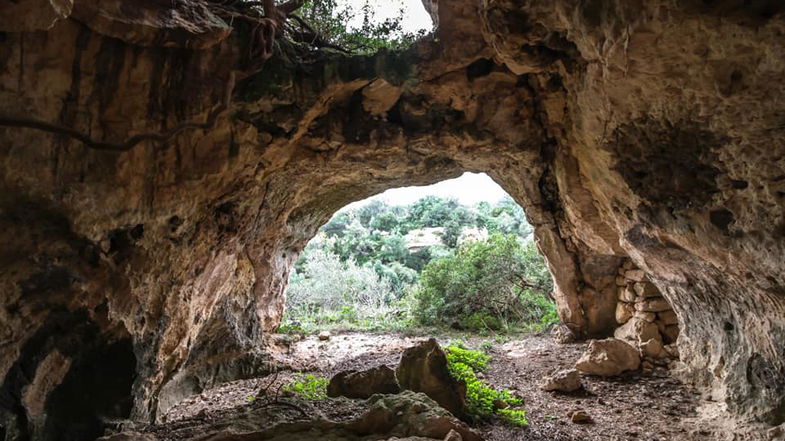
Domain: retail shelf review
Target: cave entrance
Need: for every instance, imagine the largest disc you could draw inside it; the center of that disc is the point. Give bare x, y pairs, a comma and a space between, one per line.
458, 254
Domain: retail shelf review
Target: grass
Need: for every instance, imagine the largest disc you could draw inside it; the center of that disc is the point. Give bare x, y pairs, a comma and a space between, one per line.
308, 386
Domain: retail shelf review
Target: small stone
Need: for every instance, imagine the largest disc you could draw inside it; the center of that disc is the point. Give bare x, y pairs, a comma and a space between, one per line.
653, 348
668, 317
624, 312
628, 264
622, 270
568, 380
647, 316
627, 294
646, 290
324, 335
621, 281
672, 350
453, 436
580, 417
635, 275
653, 305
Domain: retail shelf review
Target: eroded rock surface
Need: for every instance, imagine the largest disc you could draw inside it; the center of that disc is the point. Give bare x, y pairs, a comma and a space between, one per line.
649, 131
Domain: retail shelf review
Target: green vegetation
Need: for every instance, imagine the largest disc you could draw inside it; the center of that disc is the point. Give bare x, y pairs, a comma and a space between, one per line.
434, 263
481, 399
330, 19
308, 386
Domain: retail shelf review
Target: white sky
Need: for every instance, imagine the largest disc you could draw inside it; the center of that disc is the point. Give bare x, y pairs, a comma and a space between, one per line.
415, 16
469, 189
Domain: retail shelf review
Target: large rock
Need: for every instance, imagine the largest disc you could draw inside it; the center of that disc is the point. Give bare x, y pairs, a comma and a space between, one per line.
363, 384
423, 368
637, 330
608, 358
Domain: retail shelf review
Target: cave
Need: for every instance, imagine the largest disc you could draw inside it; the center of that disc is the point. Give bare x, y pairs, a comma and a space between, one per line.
163, 167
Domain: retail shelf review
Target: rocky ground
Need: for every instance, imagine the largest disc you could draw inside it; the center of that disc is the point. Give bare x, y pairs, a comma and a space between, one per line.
634, 406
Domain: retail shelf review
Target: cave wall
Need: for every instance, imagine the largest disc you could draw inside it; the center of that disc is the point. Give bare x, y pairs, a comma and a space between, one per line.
648, 130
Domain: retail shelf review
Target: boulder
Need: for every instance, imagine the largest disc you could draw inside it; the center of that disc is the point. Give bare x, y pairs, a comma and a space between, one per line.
568, 380
637, 331
608, 357
423, 368
410, 414
364, 384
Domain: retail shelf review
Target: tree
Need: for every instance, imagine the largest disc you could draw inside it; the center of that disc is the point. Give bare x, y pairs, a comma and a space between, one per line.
487, 283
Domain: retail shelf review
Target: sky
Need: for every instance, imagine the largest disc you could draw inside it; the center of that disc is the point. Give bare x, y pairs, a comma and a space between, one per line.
469, 189
415, 16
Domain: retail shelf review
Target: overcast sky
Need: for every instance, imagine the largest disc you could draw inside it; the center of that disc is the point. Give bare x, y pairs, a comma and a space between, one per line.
469, 189
415, 16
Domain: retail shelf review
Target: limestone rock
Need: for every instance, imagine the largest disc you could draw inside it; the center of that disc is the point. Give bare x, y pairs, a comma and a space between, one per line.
653, 349
363, 384
423, 368
324, 335
568, 380
624, 312
637, 331
580, 417
653, 305
33, 15
646, 316
646, 290
411, 413
627, 294
635, 275
608, 358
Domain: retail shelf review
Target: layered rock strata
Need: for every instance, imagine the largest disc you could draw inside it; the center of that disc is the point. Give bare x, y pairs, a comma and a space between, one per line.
649, 131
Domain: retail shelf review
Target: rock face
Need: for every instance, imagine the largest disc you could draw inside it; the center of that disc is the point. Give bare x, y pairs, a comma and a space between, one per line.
155, 189
423, 368
608, 358
353, 384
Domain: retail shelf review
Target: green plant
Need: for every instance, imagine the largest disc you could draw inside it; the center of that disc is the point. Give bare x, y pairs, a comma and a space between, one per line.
308, 386
486, 346
481, 399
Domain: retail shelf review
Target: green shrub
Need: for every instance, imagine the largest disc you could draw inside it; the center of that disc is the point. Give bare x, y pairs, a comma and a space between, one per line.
488, 284
481, 399
308, 386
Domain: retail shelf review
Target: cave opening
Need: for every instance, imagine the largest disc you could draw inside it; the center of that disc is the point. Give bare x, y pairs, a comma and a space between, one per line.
389, 262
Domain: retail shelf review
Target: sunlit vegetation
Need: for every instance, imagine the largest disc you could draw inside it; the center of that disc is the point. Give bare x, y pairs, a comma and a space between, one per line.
434, 263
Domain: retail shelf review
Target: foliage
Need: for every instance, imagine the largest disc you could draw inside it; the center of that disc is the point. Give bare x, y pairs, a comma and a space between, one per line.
486, 285
308, 386
331, 19
481, 399
358, 273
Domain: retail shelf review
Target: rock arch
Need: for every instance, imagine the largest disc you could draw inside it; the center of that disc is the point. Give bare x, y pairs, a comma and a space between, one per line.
626, 130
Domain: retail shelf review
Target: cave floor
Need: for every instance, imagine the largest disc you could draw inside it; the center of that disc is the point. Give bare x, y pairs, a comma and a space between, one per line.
636, 406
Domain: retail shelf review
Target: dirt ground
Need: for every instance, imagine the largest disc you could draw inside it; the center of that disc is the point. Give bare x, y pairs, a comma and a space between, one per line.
635, 406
